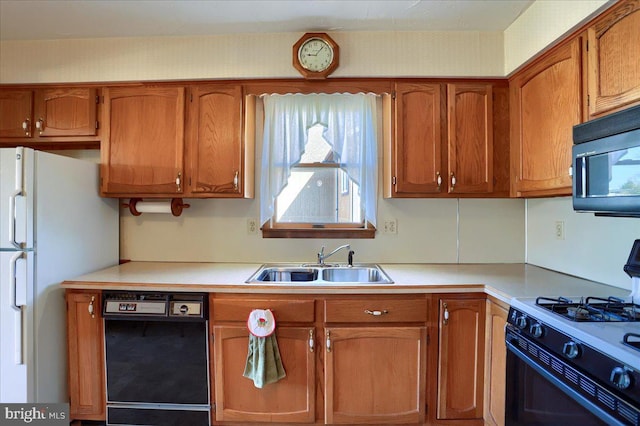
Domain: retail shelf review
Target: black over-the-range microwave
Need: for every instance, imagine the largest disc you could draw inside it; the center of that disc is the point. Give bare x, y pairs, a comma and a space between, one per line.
606, 164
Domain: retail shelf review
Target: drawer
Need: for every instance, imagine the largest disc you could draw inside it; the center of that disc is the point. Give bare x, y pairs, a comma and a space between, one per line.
376, 310
293, 310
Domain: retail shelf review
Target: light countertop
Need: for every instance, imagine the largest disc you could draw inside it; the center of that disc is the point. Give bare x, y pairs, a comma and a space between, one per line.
502, 281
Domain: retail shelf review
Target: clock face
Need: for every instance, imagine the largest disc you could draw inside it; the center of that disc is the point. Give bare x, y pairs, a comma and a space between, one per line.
315, 55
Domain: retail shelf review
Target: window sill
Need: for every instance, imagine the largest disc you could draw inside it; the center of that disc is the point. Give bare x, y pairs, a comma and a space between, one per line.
352, 233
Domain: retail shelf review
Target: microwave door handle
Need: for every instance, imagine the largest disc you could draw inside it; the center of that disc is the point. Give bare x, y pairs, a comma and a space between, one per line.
19, 358
582, 168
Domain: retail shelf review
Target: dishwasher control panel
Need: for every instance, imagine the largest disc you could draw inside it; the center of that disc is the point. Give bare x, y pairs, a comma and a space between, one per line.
154, 305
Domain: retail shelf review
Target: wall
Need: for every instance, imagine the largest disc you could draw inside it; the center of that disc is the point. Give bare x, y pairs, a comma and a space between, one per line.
594, 247
372, 54
543, 23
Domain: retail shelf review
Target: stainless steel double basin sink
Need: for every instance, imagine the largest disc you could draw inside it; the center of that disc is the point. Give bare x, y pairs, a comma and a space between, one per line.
320, 274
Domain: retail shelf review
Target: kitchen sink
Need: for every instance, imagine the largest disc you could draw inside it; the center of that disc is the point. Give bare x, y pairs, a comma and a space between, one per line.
321, 274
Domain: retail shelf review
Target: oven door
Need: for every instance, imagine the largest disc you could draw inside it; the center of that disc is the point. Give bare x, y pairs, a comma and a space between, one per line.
540, 391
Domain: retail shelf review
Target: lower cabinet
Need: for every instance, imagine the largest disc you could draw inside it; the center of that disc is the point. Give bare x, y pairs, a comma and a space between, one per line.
291, 399
235, 397
375, 369
461, 351
85, 337
496, 363
375, 375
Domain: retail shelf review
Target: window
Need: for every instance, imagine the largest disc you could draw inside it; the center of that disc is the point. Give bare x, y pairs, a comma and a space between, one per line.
319, 165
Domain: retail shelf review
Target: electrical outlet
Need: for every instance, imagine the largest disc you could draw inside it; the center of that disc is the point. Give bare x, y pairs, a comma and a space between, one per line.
390, 226
559, 230
252, 226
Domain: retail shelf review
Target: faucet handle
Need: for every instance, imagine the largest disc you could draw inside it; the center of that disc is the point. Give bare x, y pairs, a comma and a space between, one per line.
350, 258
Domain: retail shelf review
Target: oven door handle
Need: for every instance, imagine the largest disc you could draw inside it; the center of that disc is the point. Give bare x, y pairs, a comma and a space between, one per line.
596, 411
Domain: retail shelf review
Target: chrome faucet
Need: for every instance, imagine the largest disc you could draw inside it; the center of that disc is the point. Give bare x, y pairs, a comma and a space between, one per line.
322, 257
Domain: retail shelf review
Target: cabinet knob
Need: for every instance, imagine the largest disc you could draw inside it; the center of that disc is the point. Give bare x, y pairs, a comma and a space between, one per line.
235, 180
445, 314
179, 182
91, 308
453, 181
311, 341
439, 180
40, 125
26, 126
328, 341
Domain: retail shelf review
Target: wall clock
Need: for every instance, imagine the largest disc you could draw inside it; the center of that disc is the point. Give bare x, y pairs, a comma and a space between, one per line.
315, 55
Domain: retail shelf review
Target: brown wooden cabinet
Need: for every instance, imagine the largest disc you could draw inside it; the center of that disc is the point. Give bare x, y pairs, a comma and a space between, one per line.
85, 336
66, 116
495, 363
546, 102
143, 142
444, 140
291, 399
375, 368
470, 138
417, 166
216, 148
460, 384
613, 58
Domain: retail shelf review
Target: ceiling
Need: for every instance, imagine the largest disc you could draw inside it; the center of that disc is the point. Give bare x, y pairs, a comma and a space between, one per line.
60, 19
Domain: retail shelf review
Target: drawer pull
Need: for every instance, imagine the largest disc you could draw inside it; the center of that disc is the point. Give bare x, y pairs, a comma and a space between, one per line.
445, 315
311, 341
328, 341
376, 313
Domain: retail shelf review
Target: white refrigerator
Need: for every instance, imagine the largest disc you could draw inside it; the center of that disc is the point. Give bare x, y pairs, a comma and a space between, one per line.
53, 227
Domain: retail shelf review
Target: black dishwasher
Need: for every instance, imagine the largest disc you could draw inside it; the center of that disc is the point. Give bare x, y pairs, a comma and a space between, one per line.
157, 353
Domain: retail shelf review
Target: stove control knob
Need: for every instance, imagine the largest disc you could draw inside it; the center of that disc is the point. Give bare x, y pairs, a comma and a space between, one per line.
620, 377
571, 350
536, 330
521, 322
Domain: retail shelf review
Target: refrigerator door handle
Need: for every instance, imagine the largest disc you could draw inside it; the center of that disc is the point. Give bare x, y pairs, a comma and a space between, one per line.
19, 191
19, 359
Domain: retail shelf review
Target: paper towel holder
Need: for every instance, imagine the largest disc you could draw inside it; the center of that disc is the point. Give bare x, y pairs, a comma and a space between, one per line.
176, 206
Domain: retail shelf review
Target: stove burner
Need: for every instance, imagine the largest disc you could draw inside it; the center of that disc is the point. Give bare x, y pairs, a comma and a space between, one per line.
592, 309
578, 313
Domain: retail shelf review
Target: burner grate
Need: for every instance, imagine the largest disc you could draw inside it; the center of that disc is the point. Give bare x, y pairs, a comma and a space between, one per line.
592, 309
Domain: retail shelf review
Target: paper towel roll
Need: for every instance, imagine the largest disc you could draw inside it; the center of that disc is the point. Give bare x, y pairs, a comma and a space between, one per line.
174, 206
153, 206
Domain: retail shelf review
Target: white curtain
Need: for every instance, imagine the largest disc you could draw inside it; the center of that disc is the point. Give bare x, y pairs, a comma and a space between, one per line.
350, 129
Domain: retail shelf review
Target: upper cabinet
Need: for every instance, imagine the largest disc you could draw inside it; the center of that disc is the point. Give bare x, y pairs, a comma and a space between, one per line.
417, 169
143, 141
470, 137
444, 140
613, 58
156, 143
546, 102
216, 143
49, 116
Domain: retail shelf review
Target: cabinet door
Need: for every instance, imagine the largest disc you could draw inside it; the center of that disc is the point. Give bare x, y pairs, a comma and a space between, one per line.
66, 112
461, 359
143, 141
16, 119
470, 148
546, 102
291, 399
215, 146
375, 375
613, 59
417, 153
86, 356
495, 364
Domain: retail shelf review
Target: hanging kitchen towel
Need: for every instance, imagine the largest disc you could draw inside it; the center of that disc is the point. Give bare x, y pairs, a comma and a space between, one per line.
263, 365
